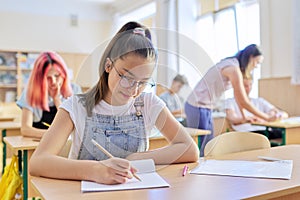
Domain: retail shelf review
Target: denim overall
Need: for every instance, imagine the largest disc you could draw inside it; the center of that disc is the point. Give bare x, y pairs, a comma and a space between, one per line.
119, 135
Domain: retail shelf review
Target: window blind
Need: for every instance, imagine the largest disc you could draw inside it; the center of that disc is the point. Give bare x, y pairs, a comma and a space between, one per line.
209, 6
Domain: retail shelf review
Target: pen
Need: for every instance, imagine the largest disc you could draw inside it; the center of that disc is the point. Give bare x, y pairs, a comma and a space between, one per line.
269, 158
109, 155
185, 169
46, 124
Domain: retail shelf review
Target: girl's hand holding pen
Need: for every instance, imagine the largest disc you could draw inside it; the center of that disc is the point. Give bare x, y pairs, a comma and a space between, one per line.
113, 171
121, 164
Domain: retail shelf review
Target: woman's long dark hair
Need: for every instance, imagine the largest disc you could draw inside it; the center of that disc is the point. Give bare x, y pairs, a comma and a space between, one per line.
244, 56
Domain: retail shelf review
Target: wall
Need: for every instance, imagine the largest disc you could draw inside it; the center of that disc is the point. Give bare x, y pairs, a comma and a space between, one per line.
42, 25
285, 97
276, 37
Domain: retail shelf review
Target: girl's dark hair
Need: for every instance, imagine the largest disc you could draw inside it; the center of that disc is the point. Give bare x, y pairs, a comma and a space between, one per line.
131, 38
244, 56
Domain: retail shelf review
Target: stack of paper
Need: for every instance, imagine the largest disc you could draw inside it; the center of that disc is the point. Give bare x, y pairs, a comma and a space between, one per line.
291, 120
146, 172
277, 169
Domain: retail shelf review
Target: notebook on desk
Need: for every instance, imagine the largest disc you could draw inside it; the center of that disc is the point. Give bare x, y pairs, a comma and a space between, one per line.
146, 172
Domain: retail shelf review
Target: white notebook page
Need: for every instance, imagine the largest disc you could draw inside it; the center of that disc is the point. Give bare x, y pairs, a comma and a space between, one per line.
265, 169
146, 172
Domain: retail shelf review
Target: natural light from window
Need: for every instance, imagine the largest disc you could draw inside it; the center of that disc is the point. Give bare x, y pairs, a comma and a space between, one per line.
225, 32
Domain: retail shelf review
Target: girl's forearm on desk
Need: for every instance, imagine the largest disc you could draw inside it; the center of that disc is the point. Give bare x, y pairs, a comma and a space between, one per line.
61, 168
32, 132
173, 153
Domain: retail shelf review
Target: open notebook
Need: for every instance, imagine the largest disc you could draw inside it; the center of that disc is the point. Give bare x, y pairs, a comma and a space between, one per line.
281, 169
146, 172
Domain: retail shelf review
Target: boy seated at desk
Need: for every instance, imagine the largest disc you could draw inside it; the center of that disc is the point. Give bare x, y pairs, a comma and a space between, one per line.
239, 123
173, 100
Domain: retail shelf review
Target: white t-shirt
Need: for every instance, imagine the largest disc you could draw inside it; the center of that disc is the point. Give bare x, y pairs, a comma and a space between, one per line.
260, 103
213, 84
173, 101
152, 107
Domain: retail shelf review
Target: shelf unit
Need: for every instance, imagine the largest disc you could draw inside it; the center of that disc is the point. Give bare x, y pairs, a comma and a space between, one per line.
15, 68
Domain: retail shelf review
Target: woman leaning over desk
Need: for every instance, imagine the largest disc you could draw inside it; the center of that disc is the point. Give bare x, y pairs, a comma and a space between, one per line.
226, 74
117, 115
47, 87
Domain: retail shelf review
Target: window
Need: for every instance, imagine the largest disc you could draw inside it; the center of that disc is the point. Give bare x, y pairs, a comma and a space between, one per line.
223, 33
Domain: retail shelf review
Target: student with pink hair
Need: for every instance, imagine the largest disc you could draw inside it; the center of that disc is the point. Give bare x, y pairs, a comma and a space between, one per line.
47, 87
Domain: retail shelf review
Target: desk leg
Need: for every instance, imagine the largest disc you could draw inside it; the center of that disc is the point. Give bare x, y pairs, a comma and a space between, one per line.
283, 131
20, 161
266, 132
4, 150
25, 174
283, 135
199, 142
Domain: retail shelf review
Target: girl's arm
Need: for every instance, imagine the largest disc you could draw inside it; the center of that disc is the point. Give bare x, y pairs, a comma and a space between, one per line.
278, 113
46, 162
178, 112
235, 76
26, 125
181, 146
234, 118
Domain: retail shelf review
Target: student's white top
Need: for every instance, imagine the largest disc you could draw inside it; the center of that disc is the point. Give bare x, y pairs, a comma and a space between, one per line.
173, 101
152, 107
213, 84
260, 103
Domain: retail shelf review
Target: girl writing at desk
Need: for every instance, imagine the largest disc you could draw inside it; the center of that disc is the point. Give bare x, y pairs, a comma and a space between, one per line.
117, 115
47, 87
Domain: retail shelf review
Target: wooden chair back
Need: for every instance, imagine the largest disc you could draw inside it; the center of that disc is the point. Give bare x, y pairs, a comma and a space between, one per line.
234, 141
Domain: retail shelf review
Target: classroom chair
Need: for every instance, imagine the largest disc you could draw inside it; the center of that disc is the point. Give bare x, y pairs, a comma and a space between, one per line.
234, 141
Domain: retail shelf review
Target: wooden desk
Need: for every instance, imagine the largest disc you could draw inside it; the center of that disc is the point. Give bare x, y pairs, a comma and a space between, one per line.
23, 147
193, 187
6, 118
12, 126
160, 141
8, 128
290, 132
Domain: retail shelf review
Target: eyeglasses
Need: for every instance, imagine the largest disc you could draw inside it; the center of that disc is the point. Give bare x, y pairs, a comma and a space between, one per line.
127, 82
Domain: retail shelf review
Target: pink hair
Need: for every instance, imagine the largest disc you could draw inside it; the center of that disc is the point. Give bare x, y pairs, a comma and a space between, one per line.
37, 89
